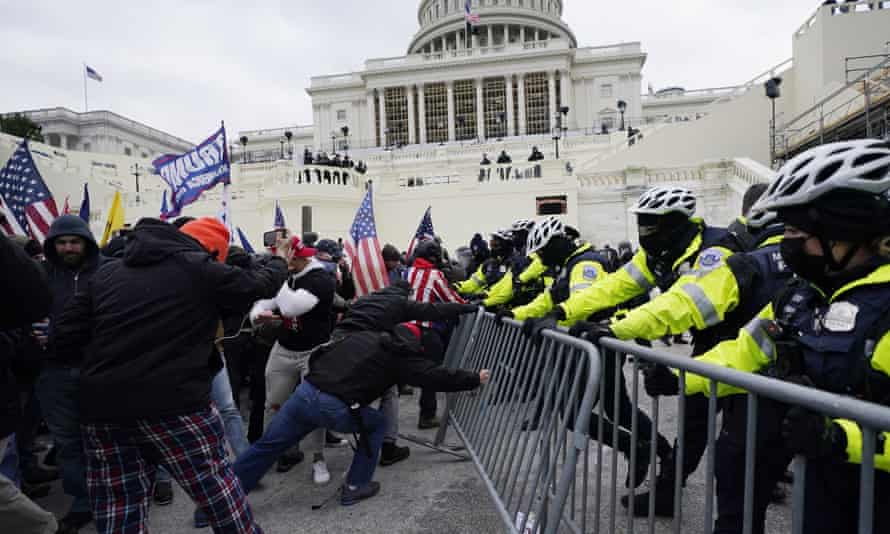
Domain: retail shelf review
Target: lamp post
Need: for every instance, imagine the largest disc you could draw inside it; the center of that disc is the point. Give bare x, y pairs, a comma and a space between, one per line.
560, 128
771, 87
345, 131
281, 142
290, 149
622, 107
333, 142
135, 168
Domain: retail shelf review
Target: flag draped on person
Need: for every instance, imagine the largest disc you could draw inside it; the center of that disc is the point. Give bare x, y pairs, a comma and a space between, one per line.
115, 219
190, 174
424, 231
27, 206
363, 248
85, 205
245, 244
279, 217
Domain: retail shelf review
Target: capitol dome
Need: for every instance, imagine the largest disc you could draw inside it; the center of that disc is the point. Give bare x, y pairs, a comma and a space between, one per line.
443, 27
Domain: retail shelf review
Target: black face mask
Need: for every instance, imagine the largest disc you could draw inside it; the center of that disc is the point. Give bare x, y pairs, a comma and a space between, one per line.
667, 241
556, 251
811, 268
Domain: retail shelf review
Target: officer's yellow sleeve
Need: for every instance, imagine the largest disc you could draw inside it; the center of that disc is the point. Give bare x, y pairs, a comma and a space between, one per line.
472, 285
751, 351
539, 307
501, 292
534, 270
631, 280
880, 362
691, 302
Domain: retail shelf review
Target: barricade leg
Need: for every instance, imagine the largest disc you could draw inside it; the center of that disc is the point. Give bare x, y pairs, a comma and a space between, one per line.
832, 498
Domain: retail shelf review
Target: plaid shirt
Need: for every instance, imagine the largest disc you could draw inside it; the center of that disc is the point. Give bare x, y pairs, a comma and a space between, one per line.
430, 286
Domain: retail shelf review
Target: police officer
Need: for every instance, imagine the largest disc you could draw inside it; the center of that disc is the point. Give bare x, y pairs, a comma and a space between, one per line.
493, 269
676, 248
526, 280
714, 305
828, 328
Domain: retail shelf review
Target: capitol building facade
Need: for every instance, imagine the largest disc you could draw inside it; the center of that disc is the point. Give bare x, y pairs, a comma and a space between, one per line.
424, 121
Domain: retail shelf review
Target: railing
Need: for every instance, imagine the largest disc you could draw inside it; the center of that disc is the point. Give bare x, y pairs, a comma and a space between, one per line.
109, 117
751, 172
841, 8
277, 133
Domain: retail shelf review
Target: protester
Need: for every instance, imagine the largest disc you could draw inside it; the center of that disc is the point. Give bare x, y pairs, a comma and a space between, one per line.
72, 259
393, 261
143, 332
371, 350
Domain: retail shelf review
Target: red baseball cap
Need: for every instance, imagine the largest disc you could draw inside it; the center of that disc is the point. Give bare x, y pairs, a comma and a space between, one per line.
299, 250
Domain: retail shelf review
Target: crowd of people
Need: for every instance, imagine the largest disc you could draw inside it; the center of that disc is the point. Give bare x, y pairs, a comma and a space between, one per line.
335, 160
135, 355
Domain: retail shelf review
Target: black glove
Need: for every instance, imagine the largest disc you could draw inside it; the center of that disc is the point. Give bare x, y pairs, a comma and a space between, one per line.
533, 328
659, 380
592, 332
501, 315
813, 435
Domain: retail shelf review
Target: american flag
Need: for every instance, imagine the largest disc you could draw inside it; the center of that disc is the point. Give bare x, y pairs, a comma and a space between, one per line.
424, 231
26, 202
368, 268
279, 217
472, 18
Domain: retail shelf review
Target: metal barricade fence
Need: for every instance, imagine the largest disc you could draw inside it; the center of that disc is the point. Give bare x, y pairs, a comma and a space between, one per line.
872, 418
519, 430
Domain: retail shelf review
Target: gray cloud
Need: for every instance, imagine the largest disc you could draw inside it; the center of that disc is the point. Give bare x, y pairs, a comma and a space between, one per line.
182, 66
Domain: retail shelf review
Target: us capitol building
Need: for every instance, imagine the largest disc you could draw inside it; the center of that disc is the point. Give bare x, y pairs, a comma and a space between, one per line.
423, 121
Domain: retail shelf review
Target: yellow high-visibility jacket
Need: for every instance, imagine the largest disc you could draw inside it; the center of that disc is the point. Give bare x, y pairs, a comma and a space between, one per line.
503, 291
754, 350
636, 278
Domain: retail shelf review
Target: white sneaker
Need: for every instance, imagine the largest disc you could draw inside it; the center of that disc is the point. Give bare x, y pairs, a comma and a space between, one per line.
320, 473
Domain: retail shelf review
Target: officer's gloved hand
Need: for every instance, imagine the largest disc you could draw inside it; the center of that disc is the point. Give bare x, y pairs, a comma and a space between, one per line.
592, 332
659, 380
533, 328
813, 435
502, 314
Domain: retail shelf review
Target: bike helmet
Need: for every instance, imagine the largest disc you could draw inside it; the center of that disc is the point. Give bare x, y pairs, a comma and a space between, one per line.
543, 232
523, 224
664, 200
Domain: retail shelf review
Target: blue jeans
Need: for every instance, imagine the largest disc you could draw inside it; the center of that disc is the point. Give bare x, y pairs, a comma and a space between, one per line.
57, 390
221, 395
305, 410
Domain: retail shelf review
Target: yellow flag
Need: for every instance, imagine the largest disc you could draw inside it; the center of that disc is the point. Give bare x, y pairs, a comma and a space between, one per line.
115, 219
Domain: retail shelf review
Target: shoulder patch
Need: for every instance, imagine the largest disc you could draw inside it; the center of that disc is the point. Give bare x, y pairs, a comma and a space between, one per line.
710, 259
841, 317
590, 272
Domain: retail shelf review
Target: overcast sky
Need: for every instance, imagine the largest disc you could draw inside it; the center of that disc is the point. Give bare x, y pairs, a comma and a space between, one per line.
184, 65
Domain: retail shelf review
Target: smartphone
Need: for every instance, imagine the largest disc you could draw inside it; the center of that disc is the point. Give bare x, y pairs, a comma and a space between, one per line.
271, 237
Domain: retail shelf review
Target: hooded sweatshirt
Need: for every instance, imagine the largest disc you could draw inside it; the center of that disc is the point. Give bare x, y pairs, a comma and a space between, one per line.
65, 281
148, 324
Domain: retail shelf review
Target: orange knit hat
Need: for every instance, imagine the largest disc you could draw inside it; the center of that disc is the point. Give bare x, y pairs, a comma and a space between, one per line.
212, 234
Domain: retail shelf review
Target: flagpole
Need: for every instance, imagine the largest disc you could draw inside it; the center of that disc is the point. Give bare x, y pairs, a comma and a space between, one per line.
85, 106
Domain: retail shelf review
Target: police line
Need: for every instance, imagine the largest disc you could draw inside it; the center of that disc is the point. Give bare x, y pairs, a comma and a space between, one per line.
544, 477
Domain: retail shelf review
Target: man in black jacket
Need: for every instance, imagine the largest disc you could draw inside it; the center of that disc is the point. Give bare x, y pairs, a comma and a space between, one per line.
72, 258
370, 351
27, 299
146, 325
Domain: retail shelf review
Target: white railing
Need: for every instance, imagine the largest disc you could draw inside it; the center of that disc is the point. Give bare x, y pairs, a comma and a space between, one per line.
108, 117
841, 8
277, 132
751, 172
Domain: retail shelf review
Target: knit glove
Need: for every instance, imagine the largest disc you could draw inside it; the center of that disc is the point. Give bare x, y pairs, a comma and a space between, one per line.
659, 380
813, 435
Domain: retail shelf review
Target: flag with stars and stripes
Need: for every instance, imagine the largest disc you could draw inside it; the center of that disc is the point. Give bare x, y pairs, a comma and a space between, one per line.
424, 231
27, 204
363, 249
471, 18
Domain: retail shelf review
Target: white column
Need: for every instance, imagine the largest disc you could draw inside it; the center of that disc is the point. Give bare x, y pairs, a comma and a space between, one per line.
506, 34
490, 35
522, 34
370, 130
409, 97
443, 43
381, 95
480, 109
508, 81
421, 110
551, 95
316, 116
520, 80
537, 34
565, 95
450, 93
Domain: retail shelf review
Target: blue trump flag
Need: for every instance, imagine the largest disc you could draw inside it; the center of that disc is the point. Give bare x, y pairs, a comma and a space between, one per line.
245, 244
85, 205
190, 174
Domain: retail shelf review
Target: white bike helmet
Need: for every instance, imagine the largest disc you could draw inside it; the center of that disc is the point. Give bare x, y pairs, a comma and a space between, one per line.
503, 234
523, 224
543, 232
862, 165
761, 219
664, 200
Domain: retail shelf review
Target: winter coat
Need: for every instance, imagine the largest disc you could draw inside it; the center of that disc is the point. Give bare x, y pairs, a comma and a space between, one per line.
65, 282
26, 299
148, 324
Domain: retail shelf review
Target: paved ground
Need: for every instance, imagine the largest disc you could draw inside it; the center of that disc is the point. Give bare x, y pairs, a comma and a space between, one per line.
430, 493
